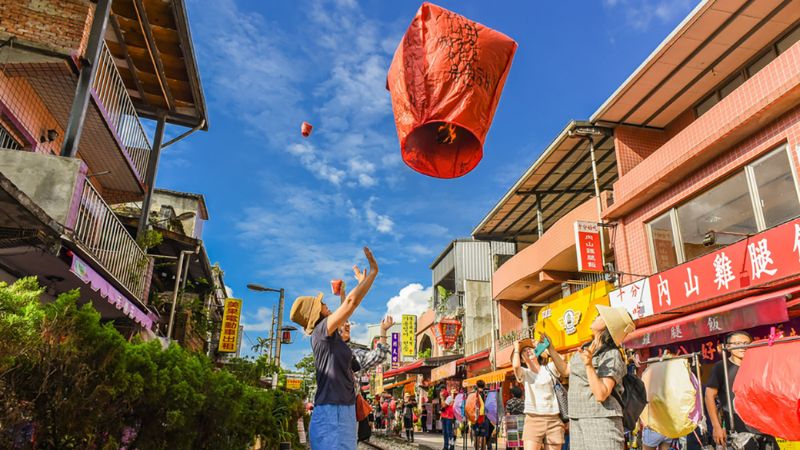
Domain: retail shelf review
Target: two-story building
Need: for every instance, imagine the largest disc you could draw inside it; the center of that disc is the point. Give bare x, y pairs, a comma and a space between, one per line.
706, 133
76, 80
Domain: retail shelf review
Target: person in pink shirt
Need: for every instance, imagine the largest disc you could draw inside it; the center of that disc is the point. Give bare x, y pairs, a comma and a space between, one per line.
448, 416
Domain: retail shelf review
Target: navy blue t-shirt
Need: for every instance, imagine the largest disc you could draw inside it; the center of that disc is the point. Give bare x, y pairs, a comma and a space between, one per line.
332, 358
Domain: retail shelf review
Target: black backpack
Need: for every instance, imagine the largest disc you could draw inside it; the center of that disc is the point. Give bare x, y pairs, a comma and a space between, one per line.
633, 400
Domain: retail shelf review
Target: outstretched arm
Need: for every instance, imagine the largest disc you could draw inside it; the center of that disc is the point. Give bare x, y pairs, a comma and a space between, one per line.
353, 299
561, 366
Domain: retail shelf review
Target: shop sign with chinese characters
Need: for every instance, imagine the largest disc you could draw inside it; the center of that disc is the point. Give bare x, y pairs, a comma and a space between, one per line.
634, 297
230, 326
768, 256
409, 335
395, 349
446, 332
588, 247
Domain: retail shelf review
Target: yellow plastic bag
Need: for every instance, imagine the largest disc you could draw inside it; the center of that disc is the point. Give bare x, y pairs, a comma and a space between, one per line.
671, 398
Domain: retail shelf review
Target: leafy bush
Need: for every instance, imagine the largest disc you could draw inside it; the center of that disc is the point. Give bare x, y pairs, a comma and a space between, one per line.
82, 385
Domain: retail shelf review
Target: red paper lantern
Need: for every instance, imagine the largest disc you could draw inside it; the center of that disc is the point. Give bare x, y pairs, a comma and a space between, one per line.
305, 129
446, 332
445, 80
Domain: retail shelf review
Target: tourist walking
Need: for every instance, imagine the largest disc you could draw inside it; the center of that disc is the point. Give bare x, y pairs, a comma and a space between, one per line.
409, 403
446, 399
595, 390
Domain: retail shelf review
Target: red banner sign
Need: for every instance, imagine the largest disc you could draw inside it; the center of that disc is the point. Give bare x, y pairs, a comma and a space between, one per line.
588, 247
767, 256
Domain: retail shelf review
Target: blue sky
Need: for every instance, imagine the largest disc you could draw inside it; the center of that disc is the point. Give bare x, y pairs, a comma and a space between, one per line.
294, 213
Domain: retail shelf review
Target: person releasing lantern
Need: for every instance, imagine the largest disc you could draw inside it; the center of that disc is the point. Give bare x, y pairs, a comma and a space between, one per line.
445, 82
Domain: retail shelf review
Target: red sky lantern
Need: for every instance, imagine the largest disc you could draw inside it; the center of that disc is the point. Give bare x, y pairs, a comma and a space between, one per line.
305, 129
445, 81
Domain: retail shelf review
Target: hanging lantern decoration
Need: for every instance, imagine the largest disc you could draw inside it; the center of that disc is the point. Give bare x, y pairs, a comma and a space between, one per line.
445, 81
305, 129
446, 332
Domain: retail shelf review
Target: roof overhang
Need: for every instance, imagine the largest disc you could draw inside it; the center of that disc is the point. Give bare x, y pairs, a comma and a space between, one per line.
717, 39
561, 179
152, 45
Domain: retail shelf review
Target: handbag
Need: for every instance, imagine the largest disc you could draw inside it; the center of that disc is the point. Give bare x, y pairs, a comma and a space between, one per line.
561, 397
362, 408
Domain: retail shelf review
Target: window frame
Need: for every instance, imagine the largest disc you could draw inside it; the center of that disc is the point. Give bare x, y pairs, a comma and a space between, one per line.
752, 189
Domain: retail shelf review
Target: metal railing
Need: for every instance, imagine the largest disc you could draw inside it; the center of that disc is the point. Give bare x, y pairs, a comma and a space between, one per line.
113, 94
516, 335
102, 234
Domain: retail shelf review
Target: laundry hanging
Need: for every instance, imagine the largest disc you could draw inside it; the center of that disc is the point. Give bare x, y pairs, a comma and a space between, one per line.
445, 81
767, 390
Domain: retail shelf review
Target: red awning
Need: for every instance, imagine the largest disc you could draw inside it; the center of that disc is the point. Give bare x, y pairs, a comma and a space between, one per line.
471, 358
763, 309
416, 364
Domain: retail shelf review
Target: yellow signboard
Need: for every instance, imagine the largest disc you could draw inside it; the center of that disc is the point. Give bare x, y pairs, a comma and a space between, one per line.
409, 335
567, 321
294, 383
229, 335
786, 445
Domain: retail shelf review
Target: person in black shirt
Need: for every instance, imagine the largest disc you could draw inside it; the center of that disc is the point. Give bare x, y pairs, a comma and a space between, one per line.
716, 389
515, 405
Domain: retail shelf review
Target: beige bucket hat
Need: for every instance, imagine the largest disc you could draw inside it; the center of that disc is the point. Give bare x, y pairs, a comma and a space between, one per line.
618, 321
306, 311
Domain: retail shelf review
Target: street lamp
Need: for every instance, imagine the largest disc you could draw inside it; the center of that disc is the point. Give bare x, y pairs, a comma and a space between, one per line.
259, 288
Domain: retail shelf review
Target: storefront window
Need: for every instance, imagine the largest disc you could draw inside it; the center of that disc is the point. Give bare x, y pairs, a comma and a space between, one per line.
776, 188
663, 243
726, 208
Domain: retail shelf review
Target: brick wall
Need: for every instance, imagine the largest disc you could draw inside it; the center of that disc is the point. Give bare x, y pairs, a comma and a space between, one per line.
630, 243
23, 108
61, 26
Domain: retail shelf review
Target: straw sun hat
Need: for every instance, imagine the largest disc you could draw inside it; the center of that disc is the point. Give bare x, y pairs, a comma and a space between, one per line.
306, 311
618, 321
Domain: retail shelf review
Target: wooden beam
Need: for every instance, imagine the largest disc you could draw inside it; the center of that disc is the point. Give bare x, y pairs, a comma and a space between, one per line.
155, 56
124, 47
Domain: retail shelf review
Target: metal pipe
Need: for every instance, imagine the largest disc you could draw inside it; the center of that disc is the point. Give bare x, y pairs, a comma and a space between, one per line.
598, 200
727, 386
178, 276
150, 178
186, 134
80, 103
278, 332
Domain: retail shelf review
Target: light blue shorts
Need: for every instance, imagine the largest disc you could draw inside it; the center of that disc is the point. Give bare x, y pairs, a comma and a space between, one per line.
652, 438
333, 427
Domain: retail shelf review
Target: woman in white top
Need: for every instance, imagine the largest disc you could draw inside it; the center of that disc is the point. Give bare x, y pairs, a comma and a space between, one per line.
543, 426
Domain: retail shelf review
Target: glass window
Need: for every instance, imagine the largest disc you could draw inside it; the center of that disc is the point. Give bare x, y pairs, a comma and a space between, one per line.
725, 208
761, 62
789, 40
731, 85
663, 243
706, 104
776, 188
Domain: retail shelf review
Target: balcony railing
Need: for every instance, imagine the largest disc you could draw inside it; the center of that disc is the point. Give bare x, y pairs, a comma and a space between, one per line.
121, 114
101, 233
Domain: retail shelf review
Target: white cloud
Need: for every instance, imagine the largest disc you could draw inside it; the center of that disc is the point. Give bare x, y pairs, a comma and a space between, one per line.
229, 292
412, 299
420, 250
260, 321
382, 223
640, 14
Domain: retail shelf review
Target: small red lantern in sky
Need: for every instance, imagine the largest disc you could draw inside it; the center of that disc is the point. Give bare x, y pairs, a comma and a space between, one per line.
445, 80
305, 129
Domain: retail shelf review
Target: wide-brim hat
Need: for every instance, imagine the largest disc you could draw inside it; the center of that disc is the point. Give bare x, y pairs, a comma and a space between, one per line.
306, 311
618, 321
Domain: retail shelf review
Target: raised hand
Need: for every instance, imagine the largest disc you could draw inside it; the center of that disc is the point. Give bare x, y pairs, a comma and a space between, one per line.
588, 353
387, 323
373, 267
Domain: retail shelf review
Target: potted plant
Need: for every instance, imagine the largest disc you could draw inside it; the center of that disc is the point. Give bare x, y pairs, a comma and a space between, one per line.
285, 435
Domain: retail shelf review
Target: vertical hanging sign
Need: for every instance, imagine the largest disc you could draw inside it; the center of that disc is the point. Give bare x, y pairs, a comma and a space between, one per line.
409, 335
395, 349
587, 247
229, 334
